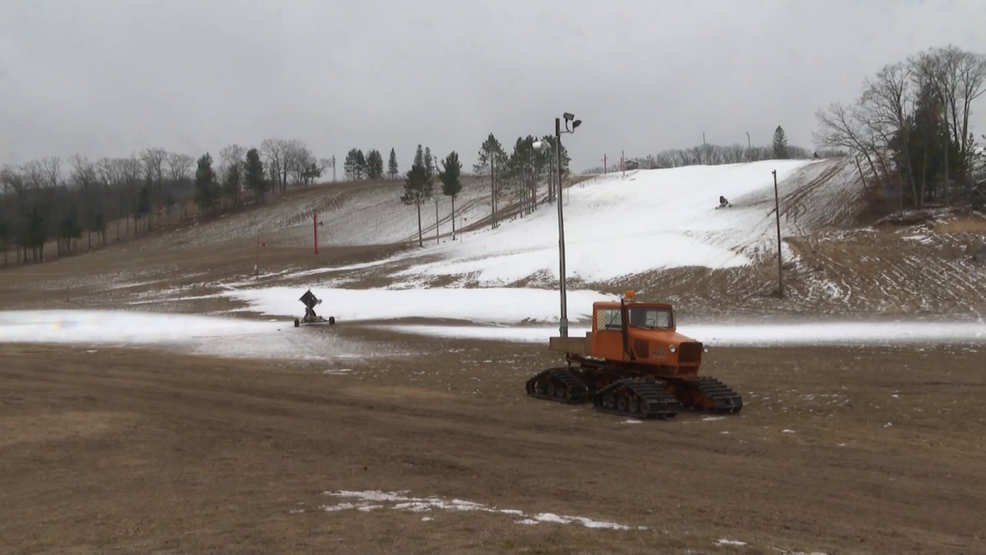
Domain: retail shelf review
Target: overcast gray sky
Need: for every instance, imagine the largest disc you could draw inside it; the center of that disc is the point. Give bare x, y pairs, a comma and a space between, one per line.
110, 77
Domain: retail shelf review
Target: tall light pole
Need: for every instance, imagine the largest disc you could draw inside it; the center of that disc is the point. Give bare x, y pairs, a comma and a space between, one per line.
540, 145
748, 139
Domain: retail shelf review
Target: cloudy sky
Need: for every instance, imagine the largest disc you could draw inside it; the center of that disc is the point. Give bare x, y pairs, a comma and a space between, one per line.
110, 77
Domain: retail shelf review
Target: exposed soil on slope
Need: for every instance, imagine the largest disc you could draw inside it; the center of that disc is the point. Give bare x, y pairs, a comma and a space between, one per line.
836, 450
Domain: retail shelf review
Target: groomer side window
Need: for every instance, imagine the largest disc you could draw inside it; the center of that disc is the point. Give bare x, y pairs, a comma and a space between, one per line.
609, 319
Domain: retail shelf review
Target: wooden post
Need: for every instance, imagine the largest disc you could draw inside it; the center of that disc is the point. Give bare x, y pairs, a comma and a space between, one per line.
777, 214
315, 229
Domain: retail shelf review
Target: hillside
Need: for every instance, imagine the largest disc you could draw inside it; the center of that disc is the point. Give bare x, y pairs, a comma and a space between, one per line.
658, 232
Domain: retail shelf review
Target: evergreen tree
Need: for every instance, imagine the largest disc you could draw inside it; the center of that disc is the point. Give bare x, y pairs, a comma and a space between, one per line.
392, 170
417, 190
419, 157
144, 203
69, 230
99, 226
451, 182
231, 183
36, 233
429, 162
355, 164
780, 144
205, 183
254, 175
374, 164
492, 158
4, 239
361, 163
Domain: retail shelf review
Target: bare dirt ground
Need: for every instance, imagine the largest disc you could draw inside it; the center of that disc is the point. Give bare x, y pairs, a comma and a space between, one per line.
836, 450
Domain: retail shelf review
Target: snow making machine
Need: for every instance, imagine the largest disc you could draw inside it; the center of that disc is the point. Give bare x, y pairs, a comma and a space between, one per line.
311, 301
633, 363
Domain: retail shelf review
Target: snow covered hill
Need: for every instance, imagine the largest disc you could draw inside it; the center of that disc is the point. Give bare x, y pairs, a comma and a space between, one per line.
653, 219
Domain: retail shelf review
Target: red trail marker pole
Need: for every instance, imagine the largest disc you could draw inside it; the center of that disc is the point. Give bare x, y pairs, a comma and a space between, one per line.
256, 267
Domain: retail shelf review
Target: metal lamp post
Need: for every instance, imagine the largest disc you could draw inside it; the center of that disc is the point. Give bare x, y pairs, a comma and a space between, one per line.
541, 145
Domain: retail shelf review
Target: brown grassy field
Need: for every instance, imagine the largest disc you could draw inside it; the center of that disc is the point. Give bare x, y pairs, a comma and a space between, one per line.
836, 451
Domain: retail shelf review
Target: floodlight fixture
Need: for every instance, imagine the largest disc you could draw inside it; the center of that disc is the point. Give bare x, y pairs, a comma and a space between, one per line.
568, 117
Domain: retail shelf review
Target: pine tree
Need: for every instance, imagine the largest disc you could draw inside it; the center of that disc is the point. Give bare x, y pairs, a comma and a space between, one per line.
361, 164
392, 170
374, 164
429, 162
4, 238
419, 158
492, 158
451, 183
355, 164
37, 234
417, 190
254, 175
780, 144
205, 183
99, 226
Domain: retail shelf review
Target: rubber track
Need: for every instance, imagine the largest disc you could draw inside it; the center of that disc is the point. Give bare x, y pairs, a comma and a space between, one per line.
654, 399
725, 399
576, 391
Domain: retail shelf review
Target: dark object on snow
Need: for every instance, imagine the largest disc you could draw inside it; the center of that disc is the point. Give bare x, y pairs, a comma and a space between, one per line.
980, 255
722, 202
311, 301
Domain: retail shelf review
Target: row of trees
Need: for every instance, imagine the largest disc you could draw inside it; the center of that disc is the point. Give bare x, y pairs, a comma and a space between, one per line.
52, 198
708, 154
517, 176
419, 183
909, 130
370, 166
520, 174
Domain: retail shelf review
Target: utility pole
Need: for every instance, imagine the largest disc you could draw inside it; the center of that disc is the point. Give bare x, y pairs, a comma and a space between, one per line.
436, 221
777, 216
315, 229
492, 188
604, 165
333, 168
748, 140
563, 324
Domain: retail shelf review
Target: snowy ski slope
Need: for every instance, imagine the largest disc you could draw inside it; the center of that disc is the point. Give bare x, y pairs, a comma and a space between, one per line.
653, 219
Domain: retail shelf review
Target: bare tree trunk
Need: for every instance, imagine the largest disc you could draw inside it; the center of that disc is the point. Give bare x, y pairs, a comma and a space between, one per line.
948, 194
421, 242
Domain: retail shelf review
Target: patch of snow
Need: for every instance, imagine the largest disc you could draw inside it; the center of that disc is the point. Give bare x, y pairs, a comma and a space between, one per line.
730, 542
787, 431
745, 334
632, 421
501, 305
206, 335
371, 500
653, 215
